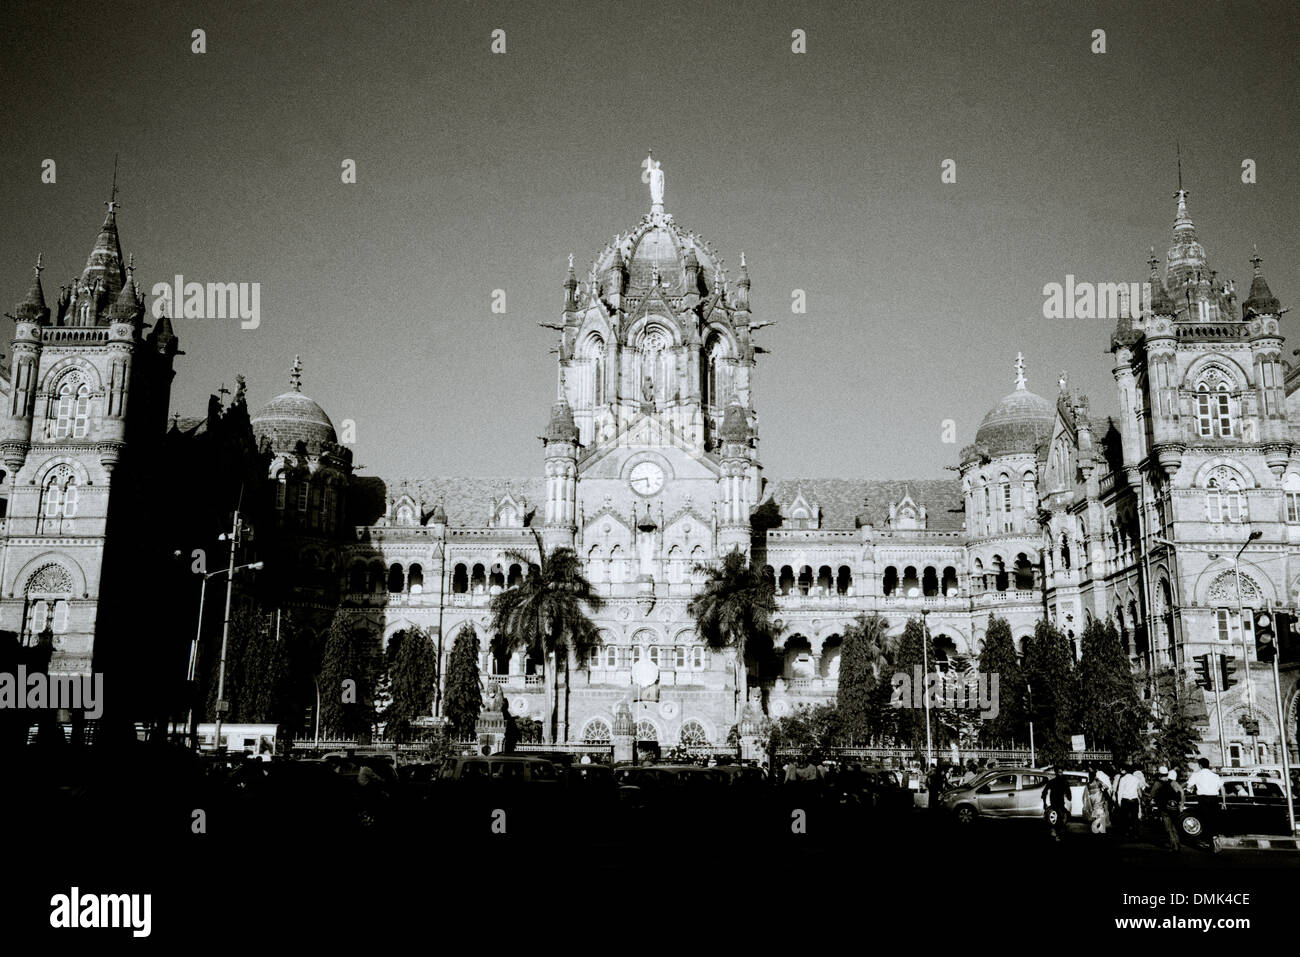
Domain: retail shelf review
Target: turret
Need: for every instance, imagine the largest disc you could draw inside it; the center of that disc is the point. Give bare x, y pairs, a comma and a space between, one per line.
561, 445
25, 348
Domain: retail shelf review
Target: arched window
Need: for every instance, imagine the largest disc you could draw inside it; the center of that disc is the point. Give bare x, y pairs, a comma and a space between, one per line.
1221, 410
460, 579
611, 656
786, 583
949, 585
1005, 490
315, 506
357, 579
1291, 484
805, 579
48, 589
73, 410
697, 658
514, 576
329, 506
596, 353
1203, 421
395, 579
1029, 493
303, 492
929, 582
498, 577
597, 731
889, 584
1024, 573
825, 581
987, 513
843, 580
59, 497
1000, 572
415, 580
478, 578
980, 580
714, 385
281, 483
693, 735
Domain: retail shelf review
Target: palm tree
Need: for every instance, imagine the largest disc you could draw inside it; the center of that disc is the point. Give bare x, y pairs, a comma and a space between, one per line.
734, 610
546, 613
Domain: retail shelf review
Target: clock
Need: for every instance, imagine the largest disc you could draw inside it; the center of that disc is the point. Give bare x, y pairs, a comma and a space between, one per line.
646, 478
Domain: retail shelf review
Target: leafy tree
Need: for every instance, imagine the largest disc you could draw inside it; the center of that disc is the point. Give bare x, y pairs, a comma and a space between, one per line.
862, 663
547, 613
808, 730
413, 671
734, 610
463, 694
1110, 708
347, 681
908, 659
998, 657
1050, 674
1181, 706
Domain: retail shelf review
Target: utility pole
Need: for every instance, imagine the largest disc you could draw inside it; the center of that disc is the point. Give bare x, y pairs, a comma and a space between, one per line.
222, 704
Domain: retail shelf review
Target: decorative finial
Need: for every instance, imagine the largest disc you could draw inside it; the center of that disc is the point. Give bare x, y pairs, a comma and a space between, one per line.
223, 390
742, 259
295, 374
570, 260
1064, 380
1020, 371
1179, 147
1256, 259
1152, 261
39, 267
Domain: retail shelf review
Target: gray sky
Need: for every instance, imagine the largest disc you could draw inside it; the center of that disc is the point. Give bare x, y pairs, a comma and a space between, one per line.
479, 171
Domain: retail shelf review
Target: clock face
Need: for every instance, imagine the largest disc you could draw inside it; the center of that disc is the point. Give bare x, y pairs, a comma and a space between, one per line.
646, 478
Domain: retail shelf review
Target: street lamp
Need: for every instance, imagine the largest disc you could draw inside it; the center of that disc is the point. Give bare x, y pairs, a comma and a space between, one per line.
925, 669
1245, 651
194, 645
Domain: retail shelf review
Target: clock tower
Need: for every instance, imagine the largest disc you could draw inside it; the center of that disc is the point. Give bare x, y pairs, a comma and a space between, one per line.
651, 451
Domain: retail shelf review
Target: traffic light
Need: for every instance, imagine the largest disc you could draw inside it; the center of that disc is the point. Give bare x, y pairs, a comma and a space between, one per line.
1288, 640
1203, 677
1265, 639
1226, 671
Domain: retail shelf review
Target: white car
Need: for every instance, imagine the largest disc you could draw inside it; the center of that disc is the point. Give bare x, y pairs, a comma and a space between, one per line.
1010, 792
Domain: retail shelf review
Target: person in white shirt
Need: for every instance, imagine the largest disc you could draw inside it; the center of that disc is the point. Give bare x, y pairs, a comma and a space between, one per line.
1208, 788
1127, 792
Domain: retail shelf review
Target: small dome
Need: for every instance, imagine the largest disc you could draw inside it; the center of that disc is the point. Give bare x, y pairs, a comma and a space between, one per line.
1016, 424
561, 428
292, 418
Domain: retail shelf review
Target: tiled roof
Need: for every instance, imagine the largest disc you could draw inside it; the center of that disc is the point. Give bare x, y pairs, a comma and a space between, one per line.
467, 499
841, 500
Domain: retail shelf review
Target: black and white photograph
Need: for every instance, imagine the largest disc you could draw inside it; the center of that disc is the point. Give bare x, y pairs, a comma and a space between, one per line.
577, 475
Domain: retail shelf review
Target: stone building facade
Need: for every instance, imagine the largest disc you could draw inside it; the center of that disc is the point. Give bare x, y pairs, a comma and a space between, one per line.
650, 463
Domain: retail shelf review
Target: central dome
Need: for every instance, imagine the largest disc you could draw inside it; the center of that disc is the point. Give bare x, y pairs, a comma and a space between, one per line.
658, 246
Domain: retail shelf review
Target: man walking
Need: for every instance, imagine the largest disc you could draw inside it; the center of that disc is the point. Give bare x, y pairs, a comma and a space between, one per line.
1056, 802
1127, 792
1208, 788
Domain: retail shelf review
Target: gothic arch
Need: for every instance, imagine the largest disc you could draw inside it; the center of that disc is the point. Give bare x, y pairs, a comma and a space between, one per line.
23, 580
1245, 475
71, 367
78, 470
1217, 586
1213, 369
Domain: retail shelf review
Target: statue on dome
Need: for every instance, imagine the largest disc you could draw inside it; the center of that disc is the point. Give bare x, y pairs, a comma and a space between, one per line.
655, 177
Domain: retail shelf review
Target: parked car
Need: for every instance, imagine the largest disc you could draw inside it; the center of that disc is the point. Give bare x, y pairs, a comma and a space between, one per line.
1253, 805
499, 769
1010, 793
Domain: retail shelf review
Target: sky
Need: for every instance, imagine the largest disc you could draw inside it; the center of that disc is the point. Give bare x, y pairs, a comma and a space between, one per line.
478, 171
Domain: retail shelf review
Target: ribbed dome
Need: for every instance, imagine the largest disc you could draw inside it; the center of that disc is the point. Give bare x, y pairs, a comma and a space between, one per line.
661, 245
292, 418
1016, 424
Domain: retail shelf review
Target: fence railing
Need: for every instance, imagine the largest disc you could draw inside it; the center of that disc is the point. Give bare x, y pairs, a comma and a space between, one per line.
1022, 755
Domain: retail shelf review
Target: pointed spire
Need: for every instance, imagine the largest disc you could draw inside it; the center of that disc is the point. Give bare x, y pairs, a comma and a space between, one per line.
1261, 300
104, 264
127, 306
735, 427
33, 305
295, 375
570, 288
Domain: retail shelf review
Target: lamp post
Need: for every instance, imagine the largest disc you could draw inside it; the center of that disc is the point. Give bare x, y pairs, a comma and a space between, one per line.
194, 645
925, 670
1241, 631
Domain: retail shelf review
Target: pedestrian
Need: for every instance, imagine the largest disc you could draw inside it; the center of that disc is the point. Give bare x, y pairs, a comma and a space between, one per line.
1056, 802
1127, 796
935, 785
1208, 788
971, 771
1096, 803
1167, 800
